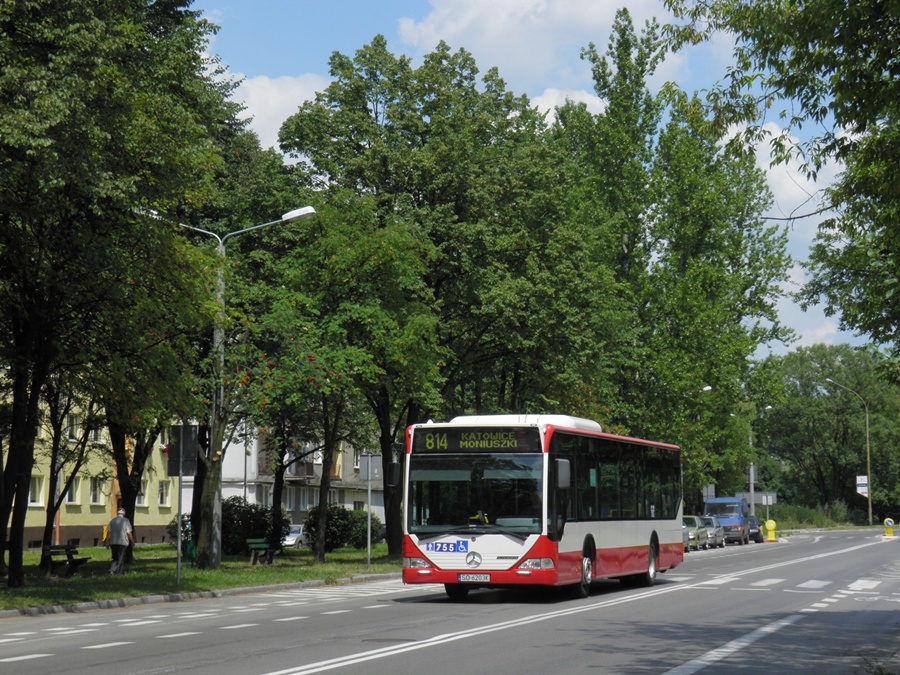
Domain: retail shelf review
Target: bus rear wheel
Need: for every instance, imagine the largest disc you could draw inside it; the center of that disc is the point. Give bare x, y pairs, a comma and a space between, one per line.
648, 578
456, 592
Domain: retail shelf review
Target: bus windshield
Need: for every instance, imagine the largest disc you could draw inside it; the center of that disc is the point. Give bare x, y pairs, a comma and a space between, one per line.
471, 492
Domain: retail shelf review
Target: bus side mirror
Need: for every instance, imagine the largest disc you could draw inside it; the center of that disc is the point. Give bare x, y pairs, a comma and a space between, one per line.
563, 474
393, 475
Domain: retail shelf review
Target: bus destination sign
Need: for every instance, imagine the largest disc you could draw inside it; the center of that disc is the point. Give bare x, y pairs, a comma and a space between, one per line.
482, 439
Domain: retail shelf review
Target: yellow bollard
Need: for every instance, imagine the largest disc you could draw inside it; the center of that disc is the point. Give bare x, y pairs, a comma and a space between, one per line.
888, 527
770, 528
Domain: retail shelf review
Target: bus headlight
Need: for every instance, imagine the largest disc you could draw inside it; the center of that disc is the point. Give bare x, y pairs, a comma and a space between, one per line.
537, 564
415, 563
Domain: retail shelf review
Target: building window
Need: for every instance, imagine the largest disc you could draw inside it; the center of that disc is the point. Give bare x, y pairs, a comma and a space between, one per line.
264, 495
356, 455
94, 435
163, 493
141, 498
35, 489
73, 495
359, 506
72, 427
97, 491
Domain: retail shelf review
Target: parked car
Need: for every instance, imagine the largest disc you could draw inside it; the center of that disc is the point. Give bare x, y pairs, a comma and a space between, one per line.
696, 532
756, 533
715, 531
296, 538
685, 538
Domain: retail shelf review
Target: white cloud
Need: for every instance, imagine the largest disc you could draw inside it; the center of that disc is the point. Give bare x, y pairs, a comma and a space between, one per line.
270, 101
553, 98
532, 42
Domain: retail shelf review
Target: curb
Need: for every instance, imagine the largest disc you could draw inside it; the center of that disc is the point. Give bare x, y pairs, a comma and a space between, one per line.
118, 603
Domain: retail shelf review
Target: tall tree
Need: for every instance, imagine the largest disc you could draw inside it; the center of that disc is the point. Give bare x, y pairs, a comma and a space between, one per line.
696, 268
717, 273
458, 202
103, 107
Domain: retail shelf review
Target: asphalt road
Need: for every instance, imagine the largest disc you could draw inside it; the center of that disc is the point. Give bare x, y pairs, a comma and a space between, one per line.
813, 603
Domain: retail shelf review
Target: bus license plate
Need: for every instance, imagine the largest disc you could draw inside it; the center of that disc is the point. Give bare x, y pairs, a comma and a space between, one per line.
474, 578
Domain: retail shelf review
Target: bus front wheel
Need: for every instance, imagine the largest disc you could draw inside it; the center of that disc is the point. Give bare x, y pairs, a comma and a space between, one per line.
648, 578
456, 592
583, 587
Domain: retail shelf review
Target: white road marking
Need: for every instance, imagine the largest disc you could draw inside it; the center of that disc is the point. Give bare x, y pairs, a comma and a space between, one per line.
108, 645
732, 647
177, 635
864, 585
27, 657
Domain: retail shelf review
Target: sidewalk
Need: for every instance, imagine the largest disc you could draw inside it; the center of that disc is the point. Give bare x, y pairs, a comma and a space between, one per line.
180, 597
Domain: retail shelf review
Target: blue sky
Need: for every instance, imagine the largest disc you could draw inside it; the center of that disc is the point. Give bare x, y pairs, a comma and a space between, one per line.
280, 48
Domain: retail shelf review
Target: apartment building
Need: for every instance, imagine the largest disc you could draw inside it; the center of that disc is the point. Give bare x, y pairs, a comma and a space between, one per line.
94, 495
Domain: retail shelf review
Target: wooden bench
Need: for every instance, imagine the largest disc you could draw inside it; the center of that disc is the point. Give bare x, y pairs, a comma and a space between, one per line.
260, 551
63, 555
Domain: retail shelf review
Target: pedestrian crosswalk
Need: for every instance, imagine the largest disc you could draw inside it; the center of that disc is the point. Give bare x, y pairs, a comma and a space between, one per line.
774, 583
331, 593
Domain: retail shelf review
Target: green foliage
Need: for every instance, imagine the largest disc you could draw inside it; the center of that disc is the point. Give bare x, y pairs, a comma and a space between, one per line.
358, 535
843, 84
794, 517
338, 529
242, 520
172, 528
817, 431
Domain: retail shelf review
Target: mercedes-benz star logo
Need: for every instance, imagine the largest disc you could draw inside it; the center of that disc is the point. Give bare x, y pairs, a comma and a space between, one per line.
473, 559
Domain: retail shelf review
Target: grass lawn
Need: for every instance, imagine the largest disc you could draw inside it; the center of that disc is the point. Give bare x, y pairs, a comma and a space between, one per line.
154, 573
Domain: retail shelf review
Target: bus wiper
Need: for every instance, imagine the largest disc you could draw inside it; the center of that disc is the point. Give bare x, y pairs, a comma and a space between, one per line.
480, 528
499, 530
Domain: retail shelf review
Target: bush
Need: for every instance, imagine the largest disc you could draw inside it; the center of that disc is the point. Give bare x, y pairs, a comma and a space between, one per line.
337, 528
359, 521
172, 529
242, 520
790, 517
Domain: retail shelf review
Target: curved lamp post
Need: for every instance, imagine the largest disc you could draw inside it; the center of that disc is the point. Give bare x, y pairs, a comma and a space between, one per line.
868, 454
303, 213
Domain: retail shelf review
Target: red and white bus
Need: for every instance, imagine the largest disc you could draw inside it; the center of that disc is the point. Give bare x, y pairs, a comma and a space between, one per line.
509, 500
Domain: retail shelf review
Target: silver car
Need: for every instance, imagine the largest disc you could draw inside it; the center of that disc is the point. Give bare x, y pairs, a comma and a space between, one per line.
296, 538
714, 531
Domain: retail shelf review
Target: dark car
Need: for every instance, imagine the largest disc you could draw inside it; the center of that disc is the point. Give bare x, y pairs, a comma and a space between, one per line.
755, 530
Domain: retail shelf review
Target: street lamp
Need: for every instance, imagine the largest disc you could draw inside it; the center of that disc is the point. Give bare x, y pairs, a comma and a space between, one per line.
868, 454
753, 468
303, 213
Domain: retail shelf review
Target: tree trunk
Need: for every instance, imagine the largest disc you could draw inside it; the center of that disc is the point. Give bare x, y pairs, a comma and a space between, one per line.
209, 535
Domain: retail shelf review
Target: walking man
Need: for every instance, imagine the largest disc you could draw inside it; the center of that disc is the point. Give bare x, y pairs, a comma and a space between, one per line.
118, 537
